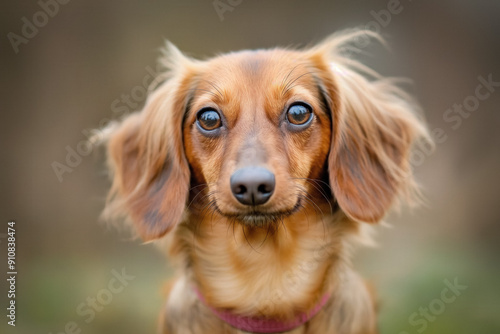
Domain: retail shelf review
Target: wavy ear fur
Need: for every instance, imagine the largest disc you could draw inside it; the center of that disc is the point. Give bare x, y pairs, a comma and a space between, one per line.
150, 173
374, 126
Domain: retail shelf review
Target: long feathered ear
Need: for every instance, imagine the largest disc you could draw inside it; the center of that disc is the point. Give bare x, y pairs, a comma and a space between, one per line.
374, 126
150, 173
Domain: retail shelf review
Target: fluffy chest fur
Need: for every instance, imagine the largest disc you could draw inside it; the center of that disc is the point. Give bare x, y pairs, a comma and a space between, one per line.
268, 273
276, 271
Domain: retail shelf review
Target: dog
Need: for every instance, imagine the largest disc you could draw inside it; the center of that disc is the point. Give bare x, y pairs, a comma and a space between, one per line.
258, 172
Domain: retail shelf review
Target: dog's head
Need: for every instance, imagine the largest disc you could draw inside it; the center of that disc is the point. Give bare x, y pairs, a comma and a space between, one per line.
258, 135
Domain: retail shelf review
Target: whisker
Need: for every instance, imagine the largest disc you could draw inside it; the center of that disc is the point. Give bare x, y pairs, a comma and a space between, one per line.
200, 89
316, 207
316, 180
201, 184
265, 238
248, 242
308, 197
288, 86
286, 78
189, 205
318, 188
216, 88
204, 197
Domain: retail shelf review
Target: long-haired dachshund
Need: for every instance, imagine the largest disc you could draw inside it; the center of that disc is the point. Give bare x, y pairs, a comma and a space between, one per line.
259, 171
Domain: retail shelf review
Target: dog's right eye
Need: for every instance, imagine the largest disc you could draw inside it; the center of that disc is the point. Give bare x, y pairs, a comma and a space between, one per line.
299, 116
209, 119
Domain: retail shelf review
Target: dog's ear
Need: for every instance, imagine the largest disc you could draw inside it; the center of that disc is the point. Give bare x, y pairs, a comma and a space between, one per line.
374, 124
150, 173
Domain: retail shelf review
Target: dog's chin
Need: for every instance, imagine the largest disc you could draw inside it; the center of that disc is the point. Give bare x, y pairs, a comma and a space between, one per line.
261, 219
258, 219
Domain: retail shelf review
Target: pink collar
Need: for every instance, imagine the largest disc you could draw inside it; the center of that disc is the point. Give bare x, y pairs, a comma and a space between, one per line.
262, 324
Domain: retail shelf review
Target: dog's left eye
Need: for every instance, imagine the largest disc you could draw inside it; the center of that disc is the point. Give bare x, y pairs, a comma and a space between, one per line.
299, 114
209, 119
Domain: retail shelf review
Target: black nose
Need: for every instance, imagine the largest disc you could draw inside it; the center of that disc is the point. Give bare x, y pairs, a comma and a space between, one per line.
252, 185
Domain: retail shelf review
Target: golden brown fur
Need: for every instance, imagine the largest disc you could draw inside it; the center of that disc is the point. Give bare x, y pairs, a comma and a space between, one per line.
345, 170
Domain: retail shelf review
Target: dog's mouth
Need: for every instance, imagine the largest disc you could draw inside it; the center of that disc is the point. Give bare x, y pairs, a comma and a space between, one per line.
256, 218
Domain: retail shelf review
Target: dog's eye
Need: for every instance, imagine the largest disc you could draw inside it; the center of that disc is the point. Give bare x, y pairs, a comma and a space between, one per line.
209, 119
299, 114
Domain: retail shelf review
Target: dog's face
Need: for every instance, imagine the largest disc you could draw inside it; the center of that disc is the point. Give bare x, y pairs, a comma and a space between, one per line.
259, 135
257, 128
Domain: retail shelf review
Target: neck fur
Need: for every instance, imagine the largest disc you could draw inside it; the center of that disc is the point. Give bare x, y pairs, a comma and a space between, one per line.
274, 272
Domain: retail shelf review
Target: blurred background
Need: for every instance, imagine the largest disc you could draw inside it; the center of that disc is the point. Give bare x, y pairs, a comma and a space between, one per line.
82, 63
